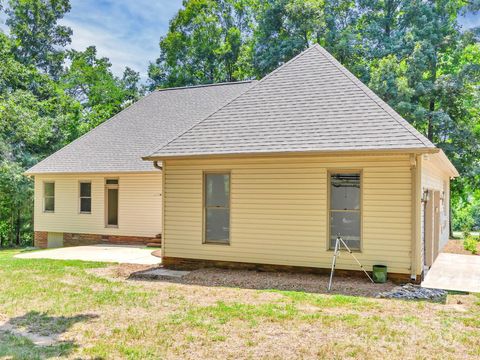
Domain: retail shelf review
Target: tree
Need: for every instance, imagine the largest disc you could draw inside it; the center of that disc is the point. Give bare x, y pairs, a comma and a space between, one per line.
207, 41
44, 104
38, 39
89, 80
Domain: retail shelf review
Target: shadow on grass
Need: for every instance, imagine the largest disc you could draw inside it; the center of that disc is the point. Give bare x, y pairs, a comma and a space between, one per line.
36, 335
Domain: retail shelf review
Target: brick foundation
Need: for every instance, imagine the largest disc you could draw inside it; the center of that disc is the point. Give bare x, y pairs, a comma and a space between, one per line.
74, 239
40, 239
193, 264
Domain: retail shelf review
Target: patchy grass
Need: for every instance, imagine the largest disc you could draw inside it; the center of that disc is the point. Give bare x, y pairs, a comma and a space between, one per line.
86, 314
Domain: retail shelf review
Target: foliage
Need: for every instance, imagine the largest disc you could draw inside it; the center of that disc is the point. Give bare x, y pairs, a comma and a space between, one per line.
413, 54
463, 220
88, 79
470, 243
45, 103
207, 41
38, 39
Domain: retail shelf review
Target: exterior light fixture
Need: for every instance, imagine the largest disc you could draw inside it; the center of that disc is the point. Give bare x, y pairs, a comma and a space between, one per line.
425, 196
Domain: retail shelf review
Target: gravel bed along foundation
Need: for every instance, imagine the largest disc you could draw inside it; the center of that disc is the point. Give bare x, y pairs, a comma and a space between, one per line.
414, 292
249, 279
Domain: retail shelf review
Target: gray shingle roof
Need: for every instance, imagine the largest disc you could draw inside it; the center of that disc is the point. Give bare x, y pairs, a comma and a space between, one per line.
118, 144
312, 103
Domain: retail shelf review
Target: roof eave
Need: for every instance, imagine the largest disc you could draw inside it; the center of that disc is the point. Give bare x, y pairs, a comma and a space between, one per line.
424, 150
53, 173
448, 164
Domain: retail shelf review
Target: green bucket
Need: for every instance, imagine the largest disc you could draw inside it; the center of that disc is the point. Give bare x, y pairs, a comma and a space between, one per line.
380, 273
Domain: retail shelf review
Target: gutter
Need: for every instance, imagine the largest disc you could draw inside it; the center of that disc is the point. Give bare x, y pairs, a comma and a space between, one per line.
154, 157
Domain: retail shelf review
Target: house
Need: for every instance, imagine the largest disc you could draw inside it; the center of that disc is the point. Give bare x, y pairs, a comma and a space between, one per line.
265, 178
98, 188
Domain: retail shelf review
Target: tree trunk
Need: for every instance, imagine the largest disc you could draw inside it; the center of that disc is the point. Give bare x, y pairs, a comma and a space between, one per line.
19, 224
431, 106
430, 120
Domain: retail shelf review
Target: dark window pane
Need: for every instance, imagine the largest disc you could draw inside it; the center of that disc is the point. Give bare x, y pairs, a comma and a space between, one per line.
217, 190
112, 212
86, 205
347, 224
345, 192
49, 204
85, 189
112, 181
50, 189
217, 229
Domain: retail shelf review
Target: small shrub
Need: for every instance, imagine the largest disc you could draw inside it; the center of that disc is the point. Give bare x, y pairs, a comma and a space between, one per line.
470, 244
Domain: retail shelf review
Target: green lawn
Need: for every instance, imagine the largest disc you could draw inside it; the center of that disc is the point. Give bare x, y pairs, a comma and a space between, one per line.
88, 315
459, 234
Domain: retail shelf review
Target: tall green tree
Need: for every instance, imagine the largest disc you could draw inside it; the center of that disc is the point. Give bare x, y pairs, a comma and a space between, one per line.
45, 104
38, 38
287, 27
207, 41
35, 119
89, 80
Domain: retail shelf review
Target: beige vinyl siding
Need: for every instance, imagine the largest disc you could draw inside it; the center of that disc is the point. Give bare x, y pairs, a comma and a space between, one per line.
139, 213
434, 177
279, 210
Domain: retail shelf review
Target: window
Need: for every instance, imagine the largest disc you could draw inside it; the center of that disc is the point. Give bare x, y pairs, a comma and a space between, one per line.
217, 208
85, 197
111, 201
345, 212
48, 196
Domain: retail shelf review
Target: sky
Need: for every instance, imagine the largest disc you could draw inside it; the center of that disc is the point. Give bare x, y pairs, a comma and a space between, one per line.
128, 31
125, 31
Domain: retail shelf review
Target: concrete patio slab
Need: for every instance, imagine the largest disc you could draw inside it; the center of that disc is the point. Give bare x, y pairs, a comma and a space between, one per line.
454, 272
128, 254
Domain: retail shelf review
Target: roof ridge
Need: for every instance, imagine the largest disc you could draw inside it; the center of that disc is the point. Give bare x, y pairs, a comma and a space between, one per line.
205, 85
367, 91
256, 83
136, 103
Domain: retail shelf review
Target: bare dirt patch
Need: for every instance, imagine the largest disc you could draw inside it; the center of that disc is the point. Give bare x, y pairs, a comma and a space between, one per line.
248, 279
455, 246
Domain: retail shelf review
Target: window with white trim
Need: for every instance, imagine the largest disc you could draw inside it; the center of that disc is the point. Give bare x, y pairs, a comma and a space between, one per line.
49, 196
85, 197
217, 208
345, 211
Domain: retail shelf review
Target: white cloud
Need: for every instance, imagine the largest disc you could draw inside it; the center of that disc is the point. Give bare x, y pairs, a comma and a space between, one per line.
127, 32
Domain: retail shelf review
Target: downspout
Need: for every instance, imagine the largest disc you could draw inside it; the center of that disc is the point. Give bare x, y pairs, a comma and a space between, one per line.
156, 165
416, 166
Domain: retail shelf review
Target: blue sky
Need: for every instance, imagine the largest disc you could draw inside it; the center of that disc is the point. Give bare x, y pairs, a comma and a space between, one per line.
128, 31
125, 31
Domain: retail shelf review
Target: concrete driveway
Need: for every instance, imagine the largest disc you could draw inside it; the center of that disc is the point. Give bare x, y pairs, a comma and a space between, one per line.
104, 253
454, 272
